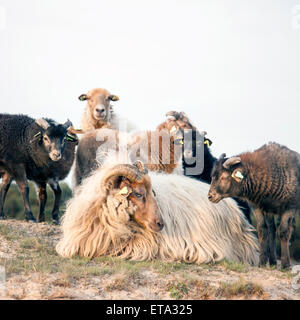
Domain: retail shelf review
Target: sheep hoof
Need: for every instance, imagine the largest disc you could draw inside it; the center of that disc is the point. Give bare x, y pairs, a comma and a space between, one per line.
41, 219
29, 217
285, 266
55, 220
2, 217
273, 262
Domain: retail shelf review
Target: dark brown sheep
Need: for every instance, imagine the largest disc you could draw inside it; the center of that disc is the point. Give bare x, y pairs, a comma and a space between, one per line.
269, 178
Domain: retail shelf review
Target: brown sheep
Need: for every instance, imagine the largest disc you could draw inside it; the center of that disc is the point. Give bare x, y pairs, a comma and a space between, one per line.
269, 178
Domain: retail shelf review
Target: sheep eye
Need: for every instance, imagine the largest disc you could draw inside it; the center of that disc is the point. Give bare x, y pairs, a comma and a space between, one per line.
138, 195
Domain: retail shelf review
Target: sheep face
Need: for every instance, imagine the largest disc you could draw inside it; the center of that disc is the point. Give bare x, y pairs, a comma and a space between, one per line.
54, 142
52, 137
184, 134
99, 104
176, 124
227, 179
142, 197
133, 184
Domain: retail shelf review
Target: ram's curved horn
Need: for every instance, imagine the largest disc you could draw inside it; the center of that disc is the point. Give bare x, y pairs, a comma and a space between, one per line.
173, 115
42, 123
67, 124
123, 170
231, 162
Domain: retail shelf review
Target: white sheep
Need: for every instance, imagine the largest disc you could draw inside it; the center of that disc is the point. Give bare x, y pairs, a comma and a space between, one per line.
116, 216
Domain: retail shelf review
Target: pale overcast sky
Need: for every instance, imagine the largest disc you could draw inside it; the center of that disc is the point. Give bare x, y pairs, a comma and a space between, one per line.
232, 66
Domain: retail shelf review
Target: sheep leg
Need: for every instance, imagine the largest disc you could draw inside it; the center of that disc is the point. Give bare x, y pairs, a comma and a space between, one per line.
262, 231
6, 181
42, 194
21, 180
269, 218
57, 193
285, 231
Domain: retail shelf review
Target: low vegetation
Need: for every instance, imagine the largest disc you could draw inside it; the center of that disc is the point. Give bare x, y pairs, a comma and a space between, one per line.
35, 271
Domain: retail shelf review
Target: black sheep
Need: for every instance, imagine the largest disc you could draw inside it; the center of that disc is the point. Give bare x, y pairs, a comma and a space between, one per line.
52, 174
178, 123
30, 149
269, 178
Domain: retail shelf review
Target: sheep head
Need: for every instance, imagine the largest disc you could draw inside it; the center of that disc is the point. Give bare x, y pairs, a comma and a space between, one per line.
133, 183
186, 135
98, 102
227, 176
52, 136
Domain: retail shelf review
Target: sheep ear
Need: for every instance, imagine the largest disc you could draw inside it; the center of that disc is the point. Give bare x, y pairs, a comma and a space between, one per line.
237, 175
125, 191
42, 123
208, 142
83, 97
113, 97
231, 162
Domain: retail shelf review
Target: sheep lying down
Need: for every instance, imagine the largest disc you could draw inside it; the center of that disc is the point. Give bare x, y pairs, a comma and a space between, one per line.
123, 211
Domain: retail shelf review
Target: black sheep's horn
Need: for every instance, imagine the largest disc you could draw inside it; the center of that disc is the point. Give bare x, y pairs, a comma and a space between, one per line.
42, 123
68, 124
222, 156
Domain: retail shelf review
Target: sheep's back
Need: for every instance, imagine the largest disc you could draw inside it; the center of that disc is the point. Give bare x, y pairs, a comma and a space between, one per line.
13, 136
197, 230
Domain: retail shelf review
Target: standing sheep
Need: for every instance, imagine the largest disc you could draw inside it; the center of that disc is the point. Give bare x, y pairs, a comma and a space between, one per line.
52, 174
27, 148
113, 214
269, 178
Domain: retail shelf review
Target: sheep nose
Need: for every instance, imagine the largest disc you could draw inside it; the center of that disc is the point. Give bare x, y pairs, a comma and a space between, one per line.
160, 224
56, 154
210, 196
100, 110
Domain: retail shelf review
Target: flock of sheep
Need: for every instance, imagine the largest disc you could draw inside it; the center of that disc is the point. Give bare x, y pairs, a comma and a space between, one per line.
152, 194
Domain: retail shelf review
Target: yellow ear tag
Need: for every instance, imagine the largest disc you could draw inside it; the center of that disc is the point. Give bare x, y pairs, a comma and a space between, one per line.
207, 143
181, 142
114, 98
124, 191
238, 175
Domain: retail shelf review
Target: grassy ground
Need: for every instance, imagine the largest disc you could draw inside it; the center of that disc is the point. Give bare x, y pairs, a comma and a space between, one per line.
35, 271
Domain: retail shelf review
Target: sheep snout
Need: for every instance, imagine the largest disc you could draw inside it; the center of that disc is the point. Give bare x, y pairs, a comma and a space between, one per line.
100, 112
55, 155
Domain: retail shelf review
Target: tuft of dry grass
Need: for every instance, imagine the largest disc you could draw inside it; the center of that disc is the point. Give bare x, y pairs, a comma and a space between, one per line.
240, 288
234, 266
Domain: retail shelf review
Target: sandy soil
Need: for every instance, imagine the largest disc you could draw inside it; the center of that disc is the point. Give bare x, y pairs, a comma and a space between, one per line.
24, 244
